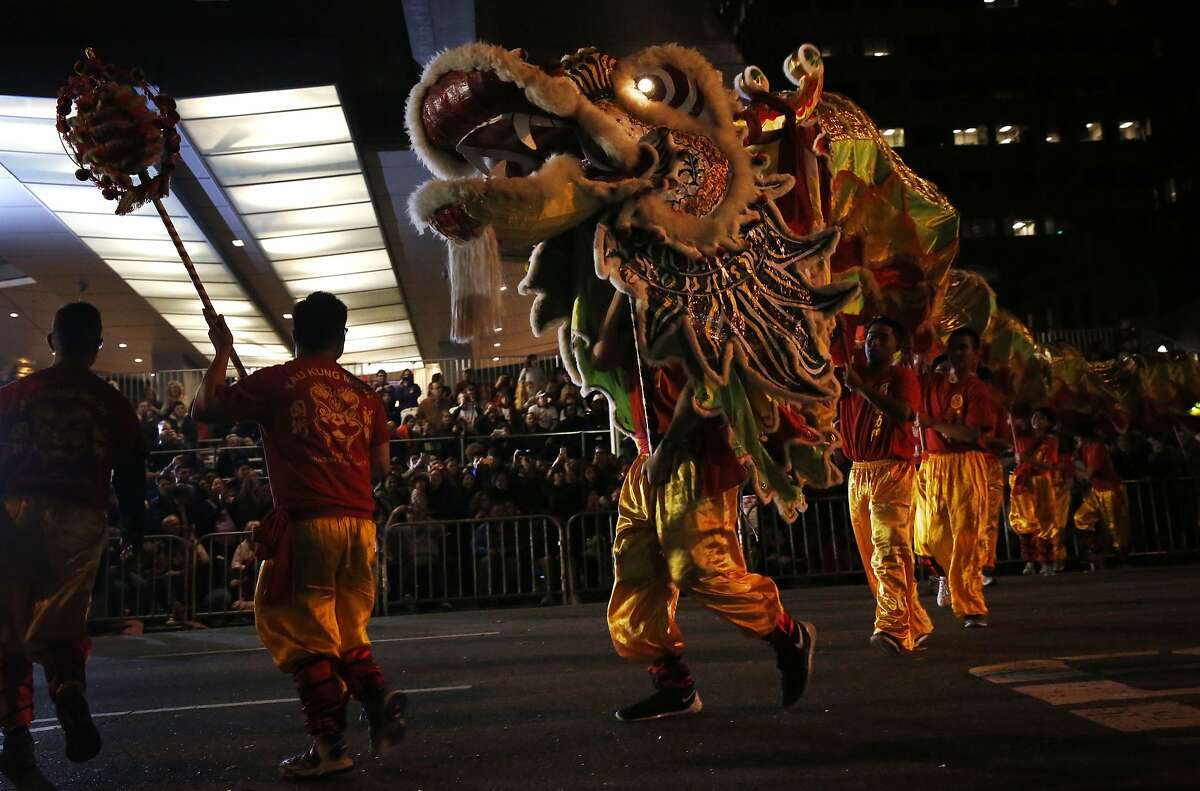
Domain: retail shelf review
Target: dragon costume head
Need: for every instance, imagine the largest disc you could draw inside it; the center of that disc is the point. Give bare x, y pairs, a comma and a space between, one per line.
709, 209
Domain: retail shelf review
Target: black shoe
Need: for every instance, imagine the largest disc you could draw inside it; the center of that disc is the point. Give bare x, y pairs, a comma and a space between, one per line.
663, 703
975, 622
887, 644
328, 755
79, 732
18, 758
384, 713
794, 658
921, 643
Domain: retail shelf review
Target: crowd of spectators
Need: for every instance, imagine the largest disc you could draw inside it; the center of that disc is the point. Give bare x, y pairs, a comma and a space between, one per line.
524, 444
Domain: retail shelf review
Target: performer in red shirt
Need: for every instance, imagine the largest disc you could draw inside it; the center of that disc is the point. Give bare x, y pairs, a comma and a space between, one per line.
325, 438
875, 412
997, 442
64, 435
1106, 502
677, 530
1035, 503
956, 411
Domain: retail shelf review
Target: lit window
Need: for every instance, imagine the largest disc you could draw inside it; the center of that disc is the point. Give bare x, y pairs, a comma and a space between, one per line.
971, 136
876, 48
1055, 227
894, 137
1093, 131
1024, 228
1008, 133
1131, 130
1053, 137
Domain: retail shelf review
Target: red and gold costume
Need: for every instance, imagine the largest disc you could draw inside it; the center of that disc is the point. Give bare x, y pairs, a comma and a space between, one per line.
1106, 502
682, 536
320, 424
62, 431
952, 486
881, 484
1035, 510
989, 533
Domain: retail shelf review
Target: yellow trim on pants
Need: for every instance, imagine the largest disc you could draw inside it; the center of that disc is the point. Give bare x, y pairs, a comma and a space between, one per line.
50, 559
953, 501
881, 511
1110, 508
670, 538
990, 533
333, 592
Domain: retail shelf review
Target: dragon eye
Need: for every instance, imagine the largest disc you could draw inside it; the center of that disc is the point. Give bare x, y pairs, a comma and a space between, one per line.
673, 87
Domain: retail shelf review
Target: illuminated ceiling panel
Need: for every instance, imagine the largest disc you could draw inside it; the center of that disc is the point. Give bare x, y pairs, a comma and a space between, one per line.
135, 246
287, 163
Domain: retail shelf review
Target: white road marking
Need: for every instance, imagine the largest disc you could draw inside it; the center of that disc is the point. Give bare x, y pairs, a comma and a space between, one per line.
1118, 655
1074, 693
233, 705
1187, 651
219, 651
1144, 716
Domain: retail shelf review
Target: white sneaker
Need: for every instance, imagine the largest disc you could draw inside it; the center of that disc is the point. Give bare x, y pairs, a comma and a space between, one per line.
988, 580
1030, 568
943, 592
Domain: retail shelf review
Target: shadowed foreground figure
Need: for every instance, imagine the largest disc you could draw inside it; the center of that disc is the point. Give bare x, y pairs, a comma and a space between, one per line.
64, 435
325, 439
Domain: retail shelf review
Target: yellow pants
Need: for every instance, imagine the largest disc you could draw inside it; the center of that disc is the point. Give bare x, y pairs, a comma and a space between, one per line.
881, 512
333, 592
1062, 512
669, 538
990, 532
48, 568
1110, 508
952, 497
1034, 510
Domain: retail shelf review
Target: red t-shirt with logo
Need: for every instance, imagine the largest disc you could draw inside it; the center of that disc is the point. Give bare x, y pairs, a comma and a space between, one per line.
867, 433
718, 465
61, 431
320, 424
965, 402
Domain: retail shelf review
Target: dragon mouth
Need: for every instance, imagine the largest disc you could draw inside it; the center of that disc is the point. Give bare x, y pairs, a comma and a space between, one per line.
492, 126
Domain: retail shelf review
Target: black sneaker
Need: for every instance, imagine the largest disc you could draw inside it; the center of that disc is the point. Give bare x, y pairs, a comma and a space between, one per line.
79, 732
18, 758
921, 643
384, 713
975, 622
663, 703
328, 755
794, 658
887, 643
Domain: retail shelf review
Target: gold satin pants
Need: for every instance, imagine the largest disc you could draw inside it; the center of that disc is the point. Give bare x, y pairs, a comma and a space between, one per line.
333, 592
47, 572
990, 533
1062, 513
953, 500
1035, 509
1110, 508
881, 494
668, 539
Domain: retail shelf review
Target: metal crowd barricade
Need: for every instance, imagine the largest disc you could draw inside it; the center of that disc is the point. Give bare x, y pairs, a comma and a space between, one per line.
590, 538
1165, 515
225, 571
819, 544
496, 559
152, 585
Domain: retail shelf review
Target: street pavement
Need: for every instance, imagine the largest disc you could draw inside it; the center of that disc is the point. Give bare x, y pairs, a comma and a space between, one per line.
1082, 681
